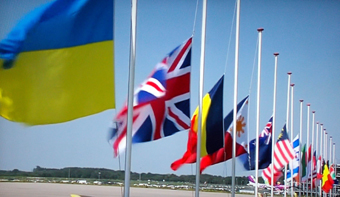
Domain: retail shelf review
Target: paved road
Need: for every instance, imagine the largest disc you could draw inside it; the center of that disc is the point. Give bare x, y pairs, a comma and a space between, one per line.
8, 189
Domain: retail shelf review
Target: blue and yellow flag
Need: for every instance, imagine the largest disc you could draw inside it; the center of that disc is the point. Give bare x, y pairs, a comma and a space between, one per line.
56, 64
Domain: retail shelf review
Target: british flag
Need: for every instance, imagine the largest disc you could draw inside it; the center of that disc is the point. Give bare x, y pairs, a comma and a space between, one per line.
267, 131
161, 103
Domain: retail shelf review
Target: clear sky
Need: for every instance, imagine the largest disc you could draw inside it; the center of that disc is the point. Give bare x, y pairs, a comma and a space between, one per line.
305, 33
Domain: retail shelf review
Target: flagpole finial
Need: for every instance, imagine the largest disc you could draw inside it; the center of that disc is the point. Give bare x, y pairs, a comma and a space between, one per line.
321, 124
260, 29
289, 73
313, 112
292, 84
317, 122
276, 54
301, 100
308, 104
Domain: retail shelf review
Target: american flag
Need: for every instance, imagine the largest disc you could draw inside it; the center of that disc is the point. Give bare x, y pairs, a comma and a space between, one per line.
161, 103
283, 154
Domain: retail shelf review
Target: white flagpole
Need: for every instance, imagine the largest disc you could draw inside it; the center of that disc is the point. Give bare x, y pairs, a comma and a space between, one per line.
199, 130
330, 150
273, 126
130, 97
312, 148
237, 34
287, 124
308, 112
300, 142
292, 137
326, 143
317, 153
330, 158
321, 154
258, 110
335, 166
325, 150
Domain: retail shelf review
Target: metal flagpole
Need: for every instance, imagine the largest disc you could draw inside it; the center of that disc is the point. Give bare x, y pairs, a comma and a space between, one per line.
335, 165
330, 157
325, 150
273, 126
321, 154
292, 137
237, 34
258, 110
326, 143
199, 130
317, 153
308, 112
300, 142
130, 97
312, 148
287, 124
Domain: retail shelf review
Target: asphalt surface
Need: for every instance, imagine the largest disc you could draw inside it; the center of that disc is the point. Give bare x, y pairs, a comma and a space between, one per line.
10, 189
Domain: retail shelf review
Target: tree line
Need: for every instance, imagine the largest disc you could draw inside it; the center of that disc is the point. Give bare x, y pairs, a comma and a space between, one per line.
102, 173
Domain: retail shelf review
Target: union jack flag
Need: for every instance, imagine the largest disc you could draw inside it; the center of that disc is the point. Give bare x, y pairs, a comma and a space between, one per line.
161, 103
267, 131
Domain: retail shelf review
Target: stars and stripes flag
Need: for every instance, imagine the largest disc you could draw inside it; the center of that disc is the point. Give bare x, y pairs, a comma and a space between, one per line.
161, 104
283, 154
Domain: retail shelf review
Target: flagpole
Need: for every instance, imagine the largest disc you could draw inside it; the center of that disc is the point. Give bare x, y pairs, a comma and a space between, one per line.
335, 165
300, 142
273, 125
308, 112
330, 158
325, 150
199, 130
292, 137
312, 146
130, 97
326, 143
287, 124
237, 34
317, 153
258, 110
321, 154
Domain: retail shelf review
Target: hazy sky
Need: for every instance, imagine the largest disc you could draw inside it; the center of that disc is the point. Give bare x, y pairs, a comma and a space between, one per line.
305, 33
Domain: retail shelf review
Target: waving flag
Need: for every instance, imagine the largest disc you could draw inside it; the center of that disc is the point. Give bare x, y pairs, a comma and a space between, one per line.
161, 103
283, 154
304, 164
294, 165
327, 181
56, 64
309, 161
225, 153
332, 173
314, 167
212, 127
265, 149
319, 168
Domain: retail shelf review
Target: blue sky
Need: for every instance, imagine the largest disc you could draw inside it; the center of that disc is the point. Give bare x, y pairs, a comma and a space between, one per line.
305, 33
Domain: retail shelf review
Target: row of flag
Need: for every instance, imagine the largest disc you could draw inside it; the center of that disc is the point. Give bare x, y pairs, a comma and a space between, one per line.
55, 40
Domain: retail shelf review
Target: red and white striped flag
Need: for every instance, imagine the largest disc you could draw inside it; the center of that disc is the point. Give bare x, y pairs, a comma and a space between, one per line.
283, 154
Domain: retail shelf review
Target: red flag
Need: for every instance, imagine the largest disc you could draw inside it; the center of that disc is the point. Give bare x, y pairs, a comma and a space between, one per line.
327, 181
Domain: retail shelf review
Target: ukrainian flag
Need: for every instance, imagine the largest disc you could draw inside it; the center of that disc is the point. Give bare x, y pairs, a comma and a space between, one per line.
56, 64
